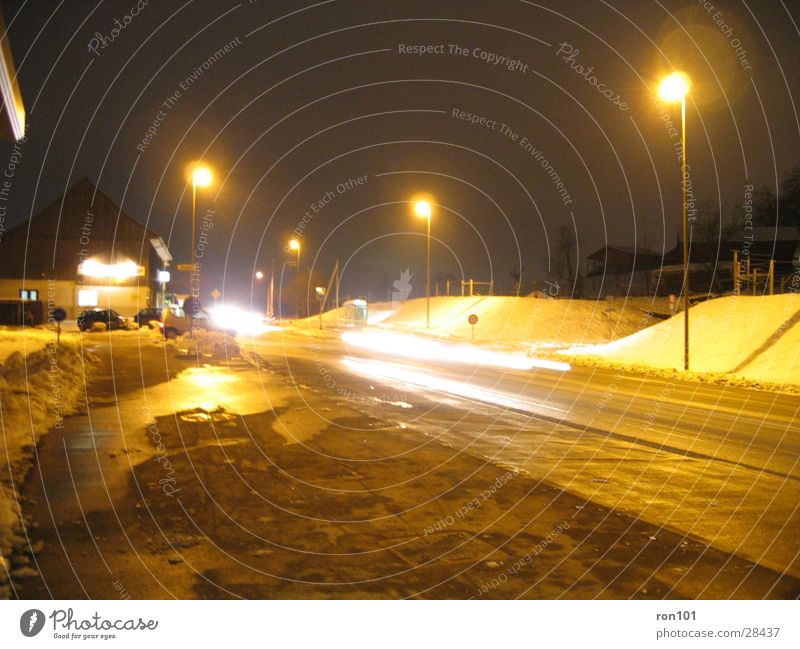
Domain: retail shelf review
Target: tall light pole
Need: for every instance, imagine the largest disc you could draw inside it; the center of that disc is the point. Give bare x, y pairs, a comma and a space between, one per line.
675, 87
423, 210
294, 244
201, 177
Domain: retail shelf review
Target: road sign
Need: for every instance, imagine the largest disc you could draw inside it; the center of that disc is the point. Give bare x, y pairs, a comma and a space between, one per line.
216, 294
187, 267
59, 315
473, 320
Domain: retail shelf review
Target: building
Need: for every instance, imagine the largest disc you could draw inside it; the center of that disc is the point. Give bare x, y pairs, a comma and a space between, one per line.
81, 251
12, 111
711, 265
620, 270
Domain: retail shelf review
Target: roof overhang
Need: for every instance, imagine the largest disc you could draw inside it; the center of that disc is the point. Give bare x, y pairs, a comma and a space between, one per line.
12, 122
161, 250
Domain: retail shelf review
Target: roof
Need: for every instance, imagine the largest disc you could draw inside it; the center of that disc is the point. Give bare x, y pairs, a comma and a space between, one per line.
629, 250
12, 114
83, 223
85, 195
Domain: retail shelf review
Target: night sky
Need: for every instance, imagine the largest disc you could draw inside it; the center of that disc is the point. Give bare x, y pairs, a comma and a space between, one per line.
307, 97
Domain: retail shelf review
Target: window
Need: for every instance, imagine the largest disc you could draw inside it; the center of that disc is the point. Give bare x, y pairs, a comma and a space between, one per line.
25, 294
87, 297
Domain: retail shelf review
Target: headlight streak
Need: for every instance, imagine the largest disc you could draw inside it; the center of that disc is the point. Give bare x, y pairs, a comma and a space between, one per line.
409, 377
422, 349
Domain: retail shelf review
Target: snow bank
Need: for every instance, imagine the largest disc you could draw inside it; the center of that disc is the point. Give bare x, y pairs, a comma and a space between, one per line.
27, 340
754, 338
205, 343
37, 391
513, 321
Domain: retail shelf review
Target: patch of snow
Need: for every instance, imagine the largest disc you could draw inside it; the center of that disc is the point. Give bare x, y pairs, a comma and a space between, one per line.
747, 340
37, 390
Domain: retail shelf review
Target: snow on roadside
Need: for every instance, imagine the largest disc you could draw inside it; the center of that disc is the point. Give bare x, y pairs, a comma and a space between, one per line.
37, 391
202, 342
746, 340
506, 321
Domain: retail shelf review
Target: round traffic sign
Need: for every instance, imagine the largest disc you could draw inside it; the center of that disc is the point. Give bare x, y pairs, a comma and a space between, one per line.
59, 315
473, 319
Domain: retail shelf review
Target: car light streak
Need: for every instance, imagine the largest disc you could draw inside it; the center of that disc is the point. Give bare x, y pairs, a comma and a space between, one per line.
428, 382
244, 323
427, 350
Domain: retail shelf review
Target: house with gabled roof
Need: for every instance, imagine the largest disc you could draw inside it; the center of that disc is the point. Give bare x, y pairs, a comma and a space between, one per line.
82, 251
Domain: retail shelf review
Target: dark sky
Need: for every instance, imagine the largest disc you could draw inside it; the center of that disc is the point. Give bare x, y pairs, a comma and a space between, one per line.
310, 95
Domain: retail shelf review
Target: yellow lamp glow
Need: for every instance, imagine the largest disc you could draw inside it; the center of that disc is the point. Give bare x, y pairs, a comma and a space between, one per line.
674, 87
202, 176
259, 275
294, 244
422, 209
119, 272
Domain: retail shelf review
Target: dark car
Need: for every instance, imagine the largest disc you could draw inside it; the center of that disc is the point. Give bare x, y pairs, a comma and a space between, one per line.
146, 316
110, 318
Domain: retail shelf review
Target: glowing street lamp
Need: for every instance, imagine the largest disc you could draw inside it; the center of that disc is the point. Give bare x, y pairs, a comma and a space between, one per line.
422, 209
674, 88
259, 275
294, 244
201, 177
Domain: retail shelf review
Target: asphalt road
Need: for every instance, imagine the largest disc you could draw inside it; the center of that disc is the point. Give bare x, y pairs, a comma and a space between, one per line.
310, 469
717, 463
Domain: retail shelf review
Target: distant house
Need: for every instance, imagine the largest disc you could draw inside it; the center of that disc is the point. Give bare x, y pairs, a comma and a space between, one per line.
711, 262
82, 251
620, 270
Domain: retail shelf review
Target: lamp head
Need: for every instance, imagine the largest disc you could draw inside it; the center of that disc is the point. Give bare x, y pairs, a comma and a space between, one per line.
674, 87
422, 209
202, 176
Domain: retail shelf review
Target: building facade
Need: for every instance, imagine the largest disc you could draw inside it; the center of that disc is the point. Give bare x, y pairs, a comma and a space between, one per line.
82, 251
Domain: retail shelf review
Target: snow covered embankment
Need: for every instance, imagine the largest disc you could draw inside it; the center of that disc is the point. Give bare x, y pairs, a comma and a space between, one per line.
746, 340
36, 392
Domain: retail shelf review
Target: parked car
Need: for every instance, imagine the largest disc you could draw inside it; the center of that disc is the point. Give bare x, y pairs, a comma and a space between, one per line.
146, 316
175, 322
110, 318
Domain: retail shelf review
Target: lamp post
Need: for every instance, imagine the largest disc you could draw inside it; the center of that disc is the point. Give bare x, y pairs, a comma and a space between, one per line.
675, 87
294, 244
423, 210
201, 177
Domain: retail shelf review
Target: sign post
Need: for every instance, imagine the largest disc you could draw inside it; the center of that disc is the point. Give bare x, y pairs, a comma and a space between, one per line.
59, 315
216, 294
473, 320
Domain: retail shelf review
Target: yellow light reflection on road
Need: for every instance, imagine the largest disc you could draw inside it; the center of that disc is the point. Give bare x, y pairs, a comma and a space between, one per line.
428, 382
420, 348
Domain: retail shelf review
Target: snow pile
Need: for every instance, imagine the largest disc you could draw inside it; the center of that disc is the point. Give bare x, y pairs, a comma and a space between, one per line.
510, 321
756, 338
541, 322
203, 342
27, 340
36, 392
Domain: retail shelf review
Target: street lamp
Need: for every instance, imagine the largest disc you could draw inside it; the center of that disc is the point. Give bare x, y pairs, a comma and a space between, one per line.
201, 177
423, 210
673, 88
294, 244
259, 275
